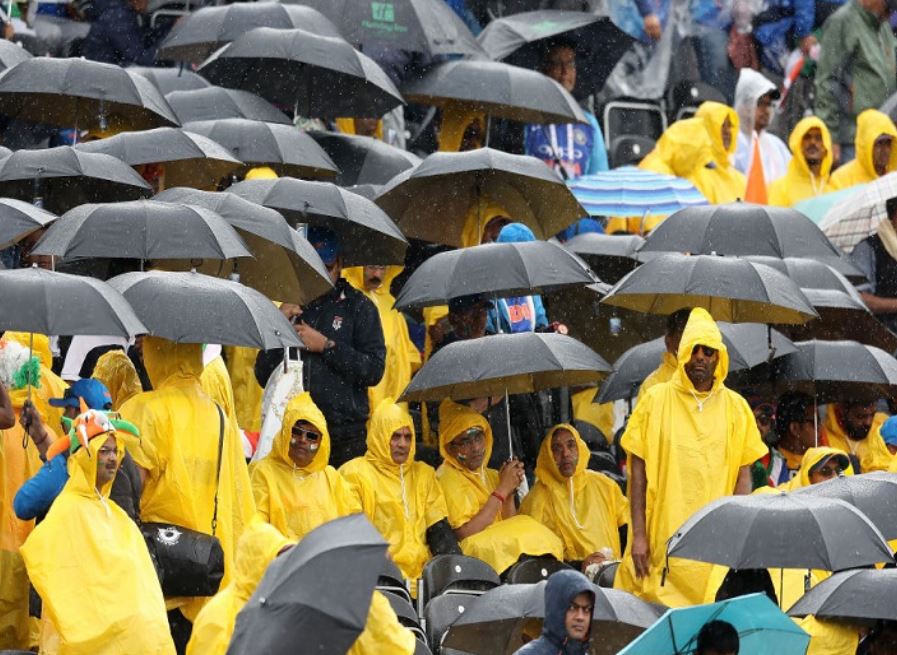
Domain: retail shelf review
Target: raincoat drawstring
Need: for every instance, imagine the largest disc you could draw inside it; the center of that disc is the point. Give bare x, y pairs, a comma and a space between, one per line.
404, 496
103, 501
573, 506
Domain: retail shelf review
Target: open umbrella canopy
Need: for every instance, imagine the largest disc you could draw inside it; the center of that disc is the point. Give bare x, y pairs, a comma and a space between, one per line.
497, 89
498, 270
202, 32
367, 235
362, 159
611, 256
459, 186
762, 628
171, 79
321, 76
781, 531
512, 363
214, 102
19, 219
282, 147
858, 215
189, 159
732, 290
181, 306
865, 595
12, 54
87, 95
817, 207
631, 191
874, 494
57, 303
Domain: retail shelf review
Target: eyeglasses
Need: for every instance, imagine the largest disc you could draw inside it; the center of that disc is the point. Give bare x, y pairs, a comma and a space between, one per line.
707, 350
469, 437
308, 435
829, 471
576, 609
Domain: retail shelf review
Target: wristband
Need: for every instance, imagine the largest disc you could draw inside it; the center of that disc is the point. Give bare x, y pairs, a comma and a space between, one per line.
501, 498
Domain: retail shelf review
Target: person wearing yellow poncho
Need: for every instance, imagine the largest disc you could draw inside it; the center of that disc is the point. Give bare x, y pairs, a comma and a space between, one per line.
88, 561
115, 370
876, 151
216, 383
810, 166
461, 129
668, 365
400, 496
178, 449
855, 428
722, 124
585, 508
480, 500
51, 385
689, 441
600, 415
402, 356
371, 127
296, 490
240, 362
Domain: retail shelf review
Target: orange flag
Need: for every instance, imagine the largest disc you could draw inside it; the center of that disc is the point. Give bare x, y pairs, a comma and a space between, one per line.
756, 180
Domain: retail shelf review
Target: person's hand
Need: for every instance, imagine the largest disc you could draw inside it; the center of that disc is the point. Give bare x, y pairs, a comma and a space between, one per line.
314, 341
292, 312
806, 43
594, 558
652, 27
836, 155
641, 555
510, 477
8, 31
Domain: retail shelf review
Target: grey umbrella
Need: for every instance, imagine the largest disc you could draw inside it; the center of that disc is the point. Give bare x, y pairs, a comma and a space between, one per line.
214, 102
362, 159
611, 256
782, 531
19, 219
282, 147
12, 54
189, 159
321, 76
874, 494
201, 33
183, 307
317, 594
142, 229
61, 178
367, 234
57, 303
498, 270
851, 595
284, 264
86, 95
171, 79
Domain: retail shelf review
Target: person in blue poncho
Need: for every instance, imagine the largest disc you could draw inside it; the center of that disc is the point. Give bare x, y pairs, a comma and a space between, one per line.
520, 313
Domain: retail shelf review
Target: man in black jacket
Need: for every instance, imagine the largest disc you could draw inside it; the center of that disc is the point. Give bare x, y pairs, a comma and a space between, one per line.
344, 353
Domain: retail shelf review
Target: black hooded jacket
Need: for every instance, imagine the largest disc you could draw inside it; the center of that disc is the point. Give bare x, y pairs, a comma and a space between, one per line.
560, 590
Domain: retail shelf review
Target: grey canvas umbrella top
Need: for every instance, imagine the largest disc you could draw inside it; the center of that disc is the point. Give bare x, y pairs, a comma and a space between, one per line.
12, 54
874, 494
362, 159
57, 303
197, 308
321, 76
497, 89
865, 594
611, 256
202, 32
19, 219
214, 102
171, 79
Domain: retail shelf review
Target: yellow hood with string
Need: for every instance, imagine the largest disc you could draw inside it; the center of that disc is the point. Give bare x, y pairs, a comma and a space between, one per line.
872, 452
115, 370
455, 121
799, 183
728, 182
811, 458
585, 510
51, 385
871, 124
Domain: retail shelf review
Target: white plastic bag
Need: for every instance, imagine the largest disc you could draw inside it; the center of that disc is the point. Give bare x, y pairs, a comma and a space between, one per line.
279, 390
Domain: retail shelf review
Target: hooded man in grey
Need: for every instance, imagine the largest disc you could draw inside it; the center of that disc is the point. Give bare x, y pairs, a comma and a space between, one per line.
569, 601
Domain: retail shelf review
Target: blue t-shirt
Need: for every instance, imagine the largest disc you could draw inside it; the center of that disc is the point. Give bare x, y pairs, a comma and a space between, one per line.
579, 148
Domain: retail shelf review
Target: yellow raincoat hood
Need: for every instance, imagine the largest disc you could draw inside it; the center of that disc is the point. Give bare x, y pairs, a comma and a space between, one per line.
547, 469
166, 360
872, 452
701, 330
727, 182
117, 372
386, 419
455, 418
455, 121
476, 222
871, 124
799, 183
811, 458
302, 408
684, 150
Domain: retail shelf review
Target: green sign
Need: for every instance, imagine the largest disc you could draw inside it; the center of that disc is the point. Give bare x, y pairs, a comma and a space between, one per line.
383, 19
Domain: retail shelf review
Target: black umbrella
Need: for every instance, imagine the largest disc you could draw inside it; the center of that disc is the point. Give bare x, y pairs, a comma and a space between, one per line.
19, 219
57, 303
142, 229
874, 494
611, 256
86, 95
171, 79
282, 147
12, 54
426, 26
201, 33
367, 234
363, 160
214, 102
781, 531
498, 270
451, 185
520, 39
61, 178
284, 265
183, 307
317, 594
189, 159
321, 76
748, 345
850, 595
744, 229
499, 90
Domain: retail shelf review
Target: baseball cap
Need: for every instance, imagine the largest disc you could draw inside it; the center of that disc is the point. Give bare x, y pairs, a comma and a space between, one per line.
325, 242
94, 393
464, 303
889, 431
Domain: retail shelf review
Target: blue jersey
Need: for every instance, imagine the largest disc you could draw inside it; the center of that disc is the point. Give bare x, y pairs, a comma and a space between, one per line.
577, 148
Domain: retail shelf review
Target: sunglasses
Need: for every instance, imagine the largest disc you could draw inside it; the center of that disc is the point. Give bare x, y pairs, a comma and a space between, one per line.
829, 470
469, 437
707, 350
308, 435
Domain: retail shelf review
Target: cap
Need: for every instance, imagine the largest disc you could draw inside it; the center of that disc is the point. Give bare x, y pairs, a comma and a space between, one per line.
94, 393
842, 459
325, 242
464, 303
889, 431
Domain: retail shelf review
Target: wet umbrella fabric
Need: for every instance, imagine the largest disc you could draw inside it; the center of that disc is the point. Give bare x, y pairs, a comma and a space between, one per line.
611, 256
88, 95
12, 54
317, 594
182, 307
362, 159
781, 531
631, 191
201, 33
168, 80
46, 302
874, 494
321, 76
214, 102
868, 595
858, 215
19, 219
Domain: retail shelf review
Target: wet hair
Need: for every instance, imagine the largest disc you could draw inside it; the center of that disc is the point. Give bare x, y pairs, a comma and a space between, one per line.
556, 42
717, 636
891, 206
741, 582
676, 321
792, 407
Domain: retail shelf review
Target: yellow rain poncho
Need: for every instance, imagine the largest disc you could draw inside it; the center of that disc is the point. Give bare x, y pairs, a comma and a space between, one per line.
478, 217
466, 491
871, 124
117, 372
402, 501
347, 126
402, 356
729, 183
178, 448
802, 478
872, 452
692, 456
599, 415
663, 373
89, 563
247, 392
455, 121
214, 627
51, 385
216, 383
799, 183
585, 510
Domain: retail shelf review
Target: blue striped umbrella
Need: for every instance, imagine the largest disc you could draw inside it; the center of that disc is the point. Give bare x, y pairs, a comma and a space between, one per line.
630, 191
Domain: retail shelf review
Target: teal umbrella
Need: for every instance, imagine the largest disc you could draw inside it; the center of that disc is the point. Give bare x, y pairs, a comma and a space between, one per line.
817, 207
762, 628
